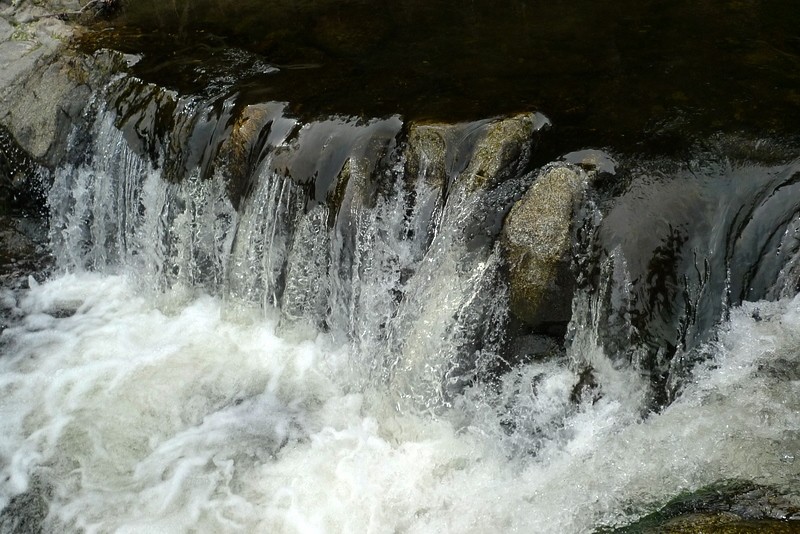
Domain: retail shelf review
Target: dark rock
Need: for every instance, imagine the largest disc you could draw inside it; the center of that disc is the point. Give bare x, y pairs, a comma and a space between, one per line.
23, 249
21, 187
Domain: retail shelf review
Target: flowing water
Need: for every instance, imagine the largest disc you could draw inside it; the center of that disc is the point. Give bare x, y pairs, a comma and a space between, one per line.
265, 321
325, 357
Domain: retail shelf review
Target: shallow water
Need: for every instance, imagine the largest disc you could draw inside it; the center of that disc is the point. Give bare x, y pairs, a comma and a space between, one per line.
143, 413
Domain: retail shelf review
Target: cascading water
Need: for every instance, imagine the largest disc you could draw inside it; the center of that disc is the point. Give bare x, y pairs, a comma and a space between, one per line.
266, 326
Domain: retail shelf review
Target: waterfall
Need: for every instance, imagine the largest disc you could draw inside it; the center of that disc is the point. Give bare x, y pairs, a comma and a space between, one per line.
331, 229
261, 323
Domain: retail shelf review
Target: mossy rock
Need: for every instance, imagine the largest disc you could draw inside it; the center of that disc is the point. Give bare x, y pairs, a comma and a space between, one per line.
426, 154
479, 154
724, 523
728, 507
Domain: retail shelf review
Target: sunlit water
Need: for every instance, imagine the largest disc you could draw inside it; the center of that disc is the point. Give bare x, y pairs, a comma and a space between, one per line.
180, 416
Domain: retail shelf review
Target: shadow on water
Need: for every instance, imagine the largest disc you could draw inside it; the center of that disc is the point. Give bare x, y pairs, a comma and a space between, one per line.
641, 76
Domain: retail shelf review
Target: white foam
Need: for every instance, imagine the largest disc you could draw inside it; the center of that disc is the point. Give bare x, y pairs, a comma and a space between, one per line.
192, 419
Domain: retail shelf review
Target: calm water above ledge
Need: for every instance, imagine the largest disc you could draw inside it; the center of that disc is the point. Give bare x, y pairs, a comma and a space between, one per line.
635, 75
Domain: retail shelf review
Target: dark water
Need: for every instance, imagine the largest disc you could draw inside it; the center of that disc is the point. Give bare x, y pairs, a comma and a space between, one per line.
641, 76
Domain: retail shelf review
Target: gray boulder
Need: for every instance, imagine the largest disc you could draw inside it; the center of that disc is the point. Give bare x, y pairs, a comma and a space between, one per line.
31, 86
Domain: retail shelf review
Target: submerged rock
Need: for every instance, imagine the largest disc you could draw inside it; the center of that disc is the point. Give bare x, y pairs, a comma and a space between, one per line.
537, 242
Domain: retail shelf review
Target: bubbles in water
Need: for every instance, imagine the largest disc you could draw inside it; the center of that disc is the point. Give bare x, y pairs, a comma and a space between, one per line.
140, 419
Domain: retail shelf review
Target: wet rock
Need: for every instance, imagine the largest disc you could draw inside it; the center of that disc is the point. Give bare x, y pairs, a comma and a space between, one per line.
537, 243
426, 153
23, 226
729, 507
586, 387
21, 180
23, 249
479, 154
723, 523
239, 151
503, 151
591, 160
244, 134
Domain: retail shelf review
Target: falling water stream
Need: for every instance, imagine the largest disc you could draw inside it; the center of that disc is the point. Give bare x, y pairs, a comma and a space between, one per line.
323, 356
263, 321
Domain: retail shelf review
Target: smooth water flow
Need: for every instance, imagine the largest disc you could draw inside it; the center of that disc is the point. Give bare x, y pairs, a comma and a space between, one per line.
282, 328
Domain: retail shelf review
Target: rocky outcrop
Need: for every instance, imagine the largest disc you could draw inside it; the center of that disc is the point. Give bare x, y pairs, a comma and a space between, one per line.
35, 87
44, 84
537, 242
43, 89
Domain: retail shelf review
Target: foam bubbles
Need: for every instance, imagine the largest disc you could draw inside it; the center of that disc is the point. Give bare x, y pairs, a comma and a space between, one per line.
182, 417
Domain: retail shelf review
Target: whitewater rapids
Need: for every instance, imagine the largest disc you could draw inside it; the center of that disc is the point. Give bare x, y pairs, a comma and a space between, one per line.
153, 412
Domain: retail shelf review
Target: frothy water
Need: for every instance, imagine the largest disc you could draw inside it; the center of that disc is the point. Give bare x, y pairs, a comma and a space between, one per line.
138, 419
319, 351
